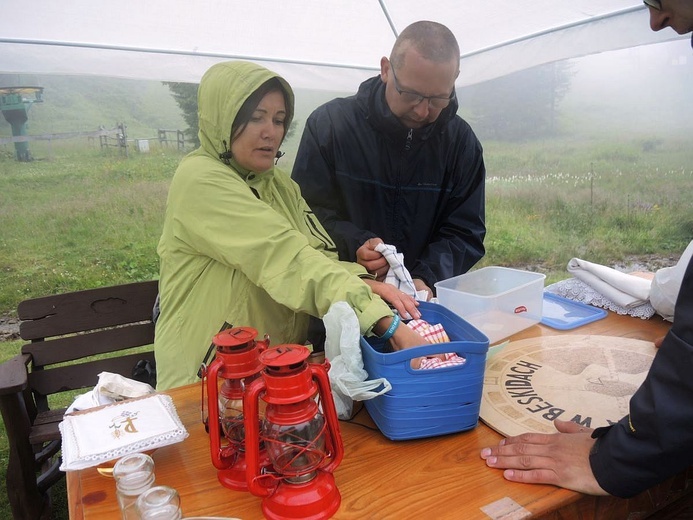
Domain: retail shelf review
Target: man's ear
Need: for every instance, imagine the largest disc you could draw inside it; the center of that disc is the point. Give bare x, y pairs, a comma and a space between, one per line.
384, 69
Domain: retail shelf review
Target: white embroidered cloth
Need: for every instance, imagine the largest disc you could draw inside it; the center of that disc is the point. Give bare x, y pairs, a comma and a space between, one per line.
398, 275
92, 437
623, 289
577, 290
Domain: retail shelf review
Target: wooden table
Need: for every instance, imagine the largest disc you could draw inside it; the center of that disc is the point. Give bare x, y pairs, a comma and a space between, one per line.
437, 478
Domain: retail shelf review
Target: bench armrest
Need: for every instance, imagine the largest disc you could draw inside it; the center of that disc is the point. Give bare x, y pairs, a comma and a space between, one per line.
14, 374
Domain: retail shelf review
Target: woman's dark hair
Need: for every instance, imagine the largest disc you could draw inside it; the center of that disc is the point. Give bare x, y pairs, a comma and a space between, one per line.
246, 111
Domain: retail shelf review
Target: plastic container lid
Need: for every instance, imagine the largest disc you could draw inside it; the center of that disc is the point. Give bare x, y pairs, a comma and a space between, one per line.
565, 314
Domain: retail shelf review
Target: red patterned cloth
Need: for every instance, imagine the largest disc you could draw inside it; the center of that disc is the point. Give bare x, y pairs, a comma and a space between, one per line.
435, 334
432, 333
451, 360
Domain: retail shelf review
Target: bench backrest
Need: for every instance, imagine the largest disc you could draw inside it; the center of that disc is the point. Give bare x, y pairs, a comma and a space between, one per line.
67, 330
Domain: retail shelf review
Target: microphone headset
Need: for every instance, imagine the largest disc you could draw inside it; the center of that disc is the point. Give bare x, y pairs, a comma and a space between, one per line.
226, 155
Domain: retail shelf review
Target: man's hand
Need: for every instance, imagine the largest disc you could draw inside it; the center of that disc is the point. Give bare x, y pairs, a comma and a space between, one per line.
374, 262
420, 285
406, 305
561, 459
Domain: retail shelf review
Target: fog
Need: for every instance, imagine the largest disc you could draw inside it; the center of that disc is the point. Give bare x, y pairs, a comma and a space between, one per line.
645, 90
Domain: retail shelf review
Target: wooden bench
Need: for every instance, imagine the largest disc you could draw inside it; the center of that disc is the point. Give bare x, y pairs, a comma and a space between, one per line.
65, 332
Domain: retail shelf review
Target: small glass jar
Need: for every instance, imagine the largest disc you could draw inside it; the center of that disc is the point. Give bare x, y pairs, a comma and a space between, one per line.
159, 503
133, 474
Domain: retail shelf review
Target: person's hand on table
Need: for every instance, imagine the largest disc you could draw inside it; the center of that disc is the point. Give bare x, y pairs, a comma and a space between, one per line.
406, 305
420, 285
561, 459
658, 341
374, 261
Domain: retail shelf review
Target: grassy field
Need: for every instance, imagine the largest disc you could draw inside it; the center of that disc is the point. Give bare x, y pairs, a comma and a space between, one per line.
84, 219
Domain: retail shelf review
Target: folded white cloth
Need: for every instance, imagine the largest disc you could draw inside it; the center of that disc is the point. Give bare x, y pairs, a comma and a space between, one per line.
92, 437
623, 289
109, 389
667, 283
398, 275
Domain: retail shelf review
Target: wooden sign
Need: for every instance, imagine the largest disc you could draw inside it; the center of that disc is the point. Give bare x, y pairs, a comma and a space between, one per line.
585, 379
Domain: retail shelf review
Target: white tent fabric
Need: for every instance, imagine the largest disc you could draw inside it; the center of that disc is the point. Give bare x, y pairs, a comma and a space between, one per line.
320, 44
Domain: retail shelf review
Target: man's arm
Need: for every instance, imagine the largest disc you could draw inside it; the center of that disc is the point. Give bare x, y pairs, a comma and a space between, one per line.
644, 448
458, 240
561, 459
654, 441
314, 171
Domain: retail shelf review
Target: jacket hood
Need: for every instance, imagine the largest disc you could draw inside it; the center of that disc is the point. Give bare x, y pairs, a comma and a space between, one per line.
223, 90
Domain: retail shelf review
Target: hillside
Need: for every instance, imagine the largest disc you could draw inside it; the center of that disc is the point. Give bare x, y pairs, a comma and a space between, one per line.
83, 103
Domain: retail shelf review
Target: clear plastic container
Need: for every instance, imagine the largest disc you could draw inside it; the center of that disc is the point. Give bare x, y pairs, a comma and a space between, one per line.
499, 301
133, 474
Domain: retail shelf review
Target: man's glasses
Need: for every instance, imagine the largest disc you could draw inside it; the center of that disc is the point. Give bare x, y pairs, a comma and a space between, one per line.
414, 98
654, 4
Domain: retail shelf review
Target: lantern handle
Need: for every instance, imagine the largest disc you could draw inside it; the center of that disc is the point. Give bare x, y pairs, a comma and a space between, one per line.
213, 416
319, 373
212, 347
253, 471
202, 373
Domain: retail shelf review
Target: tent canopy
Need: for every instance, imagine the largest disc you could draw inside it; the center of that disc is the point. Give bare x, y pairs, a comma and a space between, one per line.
318, 44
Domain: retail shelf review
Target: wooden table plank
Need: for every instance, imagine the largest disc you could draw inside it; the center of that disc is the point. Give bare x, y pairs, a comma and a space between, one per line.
440, 477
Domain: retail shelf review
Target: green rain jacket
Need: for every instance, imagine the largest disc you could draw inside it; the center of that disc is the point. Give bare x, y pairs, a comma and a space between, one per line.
242, 247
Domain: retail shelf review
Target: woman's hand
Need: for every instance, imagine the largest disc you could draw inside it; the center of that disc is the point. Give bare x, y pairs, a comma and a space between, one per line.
403, 338
406, 305
561, 459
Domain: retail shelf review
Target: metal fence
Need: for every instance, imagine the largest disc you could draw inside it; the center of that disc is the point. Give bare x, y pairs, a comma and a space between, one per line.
111, 138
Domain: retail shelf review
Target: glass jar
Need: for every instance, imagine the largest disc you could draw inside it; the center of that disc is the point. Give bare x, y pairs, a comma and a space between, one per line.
133, 474
159, 503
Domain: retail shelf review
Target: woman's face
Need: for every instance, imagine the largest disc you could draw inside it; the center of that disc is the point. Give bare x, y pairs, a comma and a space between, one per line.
255, 148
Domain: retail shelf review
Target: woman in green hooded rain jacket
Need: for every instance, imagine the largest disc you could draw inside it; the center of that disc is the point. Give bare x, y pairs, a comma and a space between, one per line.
239, 243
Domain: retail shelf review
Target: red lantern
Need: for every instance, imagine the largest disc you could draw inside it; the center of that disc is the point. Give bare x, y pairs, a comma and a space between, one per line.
302, 441
235, 366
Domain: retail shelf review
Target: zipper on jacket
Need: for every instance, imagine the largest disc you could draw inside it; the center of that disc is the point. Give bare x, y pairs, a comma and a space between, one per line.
396, 230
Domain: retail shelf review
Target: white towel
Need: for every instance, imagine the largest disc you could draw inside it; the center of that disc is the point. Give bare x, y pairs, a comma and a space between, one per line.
623, 289
398, 275
110, 389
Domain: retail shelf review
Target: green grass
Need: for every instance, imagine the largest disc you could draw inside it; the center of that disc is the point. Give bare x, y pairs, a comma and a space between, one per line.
81, 220
548, 202
84, 219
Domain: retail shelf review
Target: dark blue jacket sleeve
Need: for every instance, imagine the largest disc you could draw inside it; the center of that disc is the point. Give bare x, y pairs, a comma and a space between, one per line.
655, 441
314, 171
458, 243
